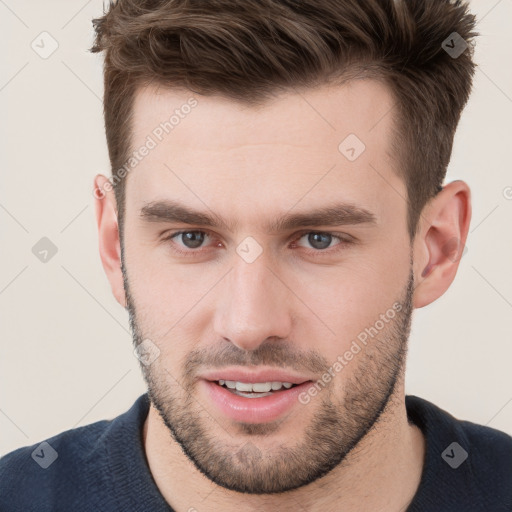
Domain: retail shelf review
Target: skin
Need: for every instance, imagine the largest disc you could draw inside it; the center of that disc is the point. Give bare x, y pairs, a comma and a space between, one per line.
287, 307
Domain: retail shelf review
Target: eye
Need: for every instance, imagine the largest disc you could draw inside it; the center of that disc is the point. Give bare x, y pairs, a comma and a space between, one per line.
322, 241
189, 239
192, 242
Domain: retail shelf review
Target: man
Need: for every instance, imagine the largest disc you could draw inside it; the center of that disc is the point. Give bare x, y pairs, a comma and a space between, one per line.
276, 211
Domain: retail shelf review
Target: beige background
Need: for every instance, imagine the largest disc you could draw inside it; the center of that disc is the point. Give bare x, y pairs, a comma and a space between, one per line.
66, 355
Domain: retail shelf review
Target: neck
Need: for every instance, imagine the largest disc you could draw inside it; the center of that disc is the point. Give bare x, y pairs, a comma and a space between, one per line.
381, 473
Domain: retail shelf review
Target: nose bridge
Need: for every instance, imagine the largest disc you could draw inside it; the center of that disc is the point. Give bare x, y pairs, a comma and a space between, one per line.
254, 306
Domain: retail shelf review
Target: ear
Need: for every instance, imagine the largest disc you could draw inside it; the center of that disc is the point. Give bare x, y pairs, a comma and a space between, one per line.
440, 241
108, 235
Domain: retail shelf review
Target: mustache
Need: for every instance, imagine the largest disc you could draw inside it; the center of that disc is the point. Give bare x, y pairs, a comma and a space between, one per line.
271, 353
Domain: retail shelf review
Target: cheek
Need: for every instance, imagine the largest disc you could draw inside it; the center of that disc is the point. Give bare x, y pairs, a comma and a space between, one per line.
170, 301
159, 283
347, 299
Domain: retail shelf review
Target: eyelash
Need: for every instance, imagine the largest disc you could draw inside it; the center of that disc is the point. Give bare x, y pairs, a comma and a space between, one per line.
343, 242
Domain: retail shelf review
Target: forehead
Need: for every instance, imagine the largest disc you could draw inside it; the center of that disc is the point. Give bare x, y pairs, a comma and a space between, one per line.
331, 142
305, 116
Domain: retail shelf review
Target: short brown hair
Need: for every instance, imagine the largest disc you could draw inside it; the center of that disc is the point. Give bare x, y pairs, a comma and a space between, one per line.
249, 50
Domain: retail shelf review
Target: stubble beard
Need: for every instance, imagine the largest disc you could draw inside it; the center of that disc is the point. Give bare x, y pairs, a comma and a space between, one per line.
239, 461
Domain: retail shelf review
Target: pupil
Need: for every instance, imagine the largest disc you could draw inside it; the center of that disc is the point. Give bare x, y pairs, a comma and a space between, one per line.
193, 239
314, 238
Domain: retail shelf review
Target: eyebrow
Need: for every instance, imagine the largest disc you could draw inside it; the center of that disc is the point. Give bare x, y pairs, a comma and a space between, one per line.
332, 215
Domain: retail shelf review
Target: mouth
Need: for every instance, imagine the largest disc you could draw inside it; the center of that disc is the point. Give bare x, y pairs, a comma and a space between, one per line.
254, 389
253, 396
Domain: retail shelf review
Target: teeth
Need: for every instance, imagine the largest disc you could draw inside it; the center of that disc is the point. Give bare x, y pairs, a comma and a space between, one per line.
262, 387
243, 386
256, 387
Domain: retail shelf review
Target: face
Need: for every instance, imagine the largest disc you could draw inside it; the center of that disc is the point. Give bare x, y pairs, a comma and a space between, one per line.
265, 251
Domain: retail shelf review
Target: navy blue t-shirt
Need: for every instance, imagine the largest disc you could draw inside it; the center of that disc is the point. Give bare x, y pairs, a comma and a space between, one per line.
103, 467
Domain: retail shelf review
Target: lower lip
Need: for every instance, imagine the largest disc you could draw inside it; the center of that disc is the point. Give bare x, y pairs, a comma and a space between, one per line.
253, 410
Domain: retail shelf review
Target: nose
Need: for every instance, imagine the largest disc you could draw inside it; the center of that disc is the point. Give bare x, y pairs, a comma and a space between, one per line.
255, 305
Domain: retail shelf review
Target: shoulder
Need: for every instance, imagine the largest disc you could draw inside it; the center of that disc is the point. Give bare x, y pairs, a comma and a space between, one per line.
42, 473
491, 453
76, 469
464, 460
485, 440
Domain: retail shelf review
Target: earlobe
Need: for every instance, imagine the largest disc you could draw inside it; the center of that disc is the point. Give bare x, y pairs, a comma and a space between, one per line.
108, 235
440, 243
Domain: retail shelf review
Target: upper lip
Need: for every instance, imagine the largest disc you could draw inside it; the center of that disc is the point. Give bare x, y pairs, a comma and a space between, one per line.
263, 375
